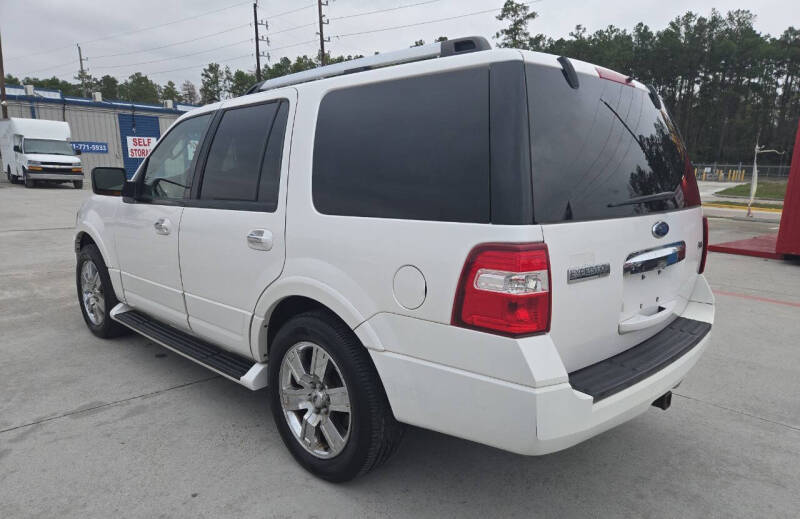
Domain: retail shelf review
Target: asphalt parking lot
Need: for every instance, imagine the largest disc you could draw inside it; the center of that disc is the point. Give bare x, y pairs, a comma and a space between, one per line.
94, 428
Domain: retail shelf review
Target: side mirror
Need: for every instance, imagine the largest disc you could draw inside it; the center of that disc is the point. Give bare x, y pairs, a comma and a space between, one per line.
78, 151
108, 181
17, 148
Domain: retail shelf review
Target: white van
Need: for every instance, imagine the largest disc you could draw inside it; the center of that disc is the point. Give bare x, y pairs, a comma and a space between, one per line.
36, 149
499, 245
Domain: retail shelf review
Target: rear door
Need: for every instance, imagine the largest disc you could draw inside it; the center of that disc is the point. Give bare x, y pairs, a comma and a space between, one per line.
232, 231
618, 206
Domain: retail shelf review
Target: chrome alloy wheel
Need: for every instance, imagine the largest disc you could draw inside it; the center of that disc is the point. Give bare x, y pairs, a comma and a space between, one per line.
314, 399
94, 301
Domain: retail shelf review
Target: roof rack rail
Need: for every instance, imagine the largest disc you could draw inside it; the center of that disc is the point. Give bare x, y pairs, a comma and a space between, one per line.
423, 52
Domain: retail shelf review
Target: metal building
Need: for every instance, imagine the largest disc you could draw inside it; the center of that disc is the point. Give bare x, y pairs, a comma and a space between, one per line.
108, 133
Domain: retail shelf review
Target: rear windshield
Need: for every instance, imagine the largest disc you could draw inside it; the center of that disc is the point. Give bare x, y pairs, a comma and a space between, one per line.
600, 151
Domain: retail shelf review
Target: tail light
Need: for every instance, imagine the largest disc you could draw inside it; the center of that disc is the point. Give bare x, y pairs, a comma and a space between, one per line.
704, 254
505, 289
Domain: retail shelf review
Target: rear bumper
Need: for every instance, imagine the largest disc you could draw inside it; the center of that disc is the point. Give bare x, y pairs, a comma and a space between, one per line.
517, 417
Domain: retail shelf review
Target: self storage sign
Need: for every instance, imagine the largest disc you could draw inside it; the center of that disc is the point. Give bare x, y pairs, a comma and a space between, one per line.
140, 147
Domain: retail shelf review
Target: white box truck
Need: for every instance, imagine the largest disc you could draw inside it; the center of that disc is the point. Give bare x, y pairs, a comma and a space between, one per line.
36, 149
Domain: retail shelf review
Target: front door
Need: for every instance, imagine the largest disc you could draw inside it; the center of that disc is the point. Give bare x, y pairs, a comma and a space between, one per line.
232, 231
147, 228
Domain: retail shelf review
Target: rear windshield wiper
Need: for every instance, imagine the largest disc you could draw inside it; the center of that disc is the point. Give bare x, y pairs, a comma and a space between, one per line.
665, 195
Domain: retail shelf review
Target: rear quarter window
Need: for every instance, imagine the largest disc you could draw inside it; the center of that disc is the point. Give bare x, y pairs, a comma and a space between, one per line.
412, 148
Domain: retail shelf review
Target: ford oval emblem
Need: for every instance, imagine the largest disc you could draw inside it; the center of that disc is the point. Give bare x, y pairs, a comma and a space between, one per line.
660, 229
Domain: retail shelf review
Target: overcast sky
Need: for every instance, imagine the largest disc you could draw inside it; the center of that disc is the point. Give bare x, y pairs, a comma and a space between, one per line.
120, 37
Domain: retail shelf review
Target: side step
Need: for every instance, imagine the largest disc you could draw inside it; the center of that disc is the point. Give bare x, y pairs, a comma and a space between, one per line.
252, 375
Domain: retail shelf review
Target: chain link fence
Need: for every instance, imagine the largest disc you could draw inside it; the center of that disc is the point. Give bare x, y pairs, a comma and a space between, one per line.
739, 172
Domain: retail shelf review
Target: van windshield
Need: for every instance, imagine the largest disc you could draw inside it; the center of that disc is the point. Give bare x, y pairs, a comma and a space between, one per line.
602, 151
47, 147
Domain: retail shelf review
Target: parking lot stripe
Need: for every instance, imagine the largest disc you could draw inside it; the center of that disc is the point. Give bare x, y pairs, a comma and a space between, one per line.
757, 298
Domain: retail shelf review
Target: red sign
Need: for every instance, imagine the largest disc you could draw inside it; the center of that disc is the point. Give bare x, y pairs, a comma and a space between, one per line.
140, 147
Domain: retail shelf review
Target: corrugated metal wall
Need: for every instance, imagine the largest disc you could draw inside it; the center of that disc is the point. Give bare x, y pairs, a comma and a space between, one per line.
88, 123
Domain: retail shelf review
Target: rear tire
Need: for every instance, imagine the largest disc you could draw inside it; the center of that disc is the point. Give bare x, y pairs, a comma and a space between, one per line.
96, 295
368, 430
78, 184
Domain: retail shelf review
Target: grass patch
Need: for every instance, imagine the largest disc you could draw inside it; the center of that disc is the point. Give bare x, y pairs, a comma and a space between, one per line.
767, 189
756, 205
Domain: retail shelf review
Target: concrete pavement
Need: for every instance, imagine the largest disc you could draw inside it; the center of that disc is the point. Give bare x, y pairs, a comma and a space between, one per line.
94, 428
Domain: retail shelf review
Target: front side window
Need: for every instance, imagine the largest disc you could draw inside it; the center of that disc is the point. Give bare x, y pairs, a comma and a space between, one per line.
244, 159
170, 165
412, 148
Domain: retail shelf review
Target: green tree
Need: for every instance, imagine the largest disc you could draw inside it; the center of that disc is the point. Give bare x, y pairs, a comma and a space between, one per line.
189, 93
138, 88
214, 83
108, 86
170, 91
241, 82
516, 35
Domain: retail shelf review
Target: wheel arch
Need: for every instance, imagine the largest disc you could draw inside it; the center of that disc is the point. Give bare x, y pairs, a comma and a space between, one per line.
292, 296
85, 235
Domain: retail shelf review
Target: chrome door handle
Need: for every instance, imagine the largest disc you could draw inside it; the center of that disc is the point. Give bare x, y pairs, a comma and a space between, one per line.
162, 226
259, 239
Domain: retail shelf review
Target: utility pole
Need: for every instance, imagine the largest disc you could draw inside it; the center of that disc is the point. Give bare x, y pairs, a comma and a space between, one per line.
81, 59
258, 52
322, 22
259, 39
3, 102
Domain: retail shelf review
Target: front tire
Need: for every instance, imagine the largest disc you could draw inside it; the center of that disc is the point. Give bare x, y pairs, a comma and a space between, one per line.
96, 294
29, 182
327, 401
78, 184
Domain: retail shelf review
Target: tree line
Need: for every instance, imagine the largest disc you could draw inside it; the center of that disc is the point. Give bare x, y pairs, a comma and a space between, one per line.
724, 83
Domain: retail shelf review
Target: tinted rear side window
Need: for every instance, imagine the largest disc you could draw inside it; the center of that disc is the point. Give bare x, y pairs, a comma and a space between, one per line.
413, 148
596, 148
235, 157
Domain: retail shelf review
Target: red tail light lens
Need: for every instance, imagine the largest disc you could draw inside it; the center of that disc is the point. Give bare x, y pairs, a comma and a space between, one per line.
505, 289
704, 254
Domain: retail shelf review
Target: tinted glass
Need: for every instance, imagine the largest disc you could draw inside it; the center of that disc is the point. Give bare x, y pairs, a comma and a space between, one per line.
234, 159
170, 165
271, 168
413, 148
596, 148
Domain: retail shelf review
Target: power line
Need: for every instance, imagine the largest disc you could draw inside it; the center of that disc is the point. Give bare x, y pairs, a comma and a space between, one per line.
175, 57
249, 54
292, 11
355, 15
172, 44
423, 23
131, 31
167, 23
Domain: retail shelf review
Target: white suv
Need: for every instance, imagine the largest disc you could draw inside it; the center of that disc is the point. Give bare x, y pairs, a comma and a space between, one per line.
500, 245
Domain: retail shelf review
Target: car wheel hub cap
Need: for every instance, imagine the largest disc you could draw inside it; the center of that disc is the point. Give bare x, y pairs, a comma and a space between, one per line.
315, 400
92, 293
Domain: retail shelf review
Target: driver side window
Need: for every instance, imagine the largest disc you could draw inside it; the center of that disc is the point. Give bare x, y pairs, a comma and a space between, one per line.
170, 165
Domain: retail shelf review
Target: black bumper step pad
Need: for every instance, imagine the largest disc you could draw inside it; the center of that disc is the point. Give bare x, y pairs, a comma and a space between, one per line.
621, 371
203, 352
